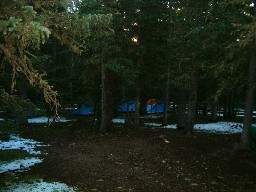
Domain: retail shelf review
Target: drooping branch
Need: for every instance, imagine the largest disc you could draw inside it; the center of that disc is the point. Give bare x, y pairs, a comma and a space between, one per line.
28, 24
22, 65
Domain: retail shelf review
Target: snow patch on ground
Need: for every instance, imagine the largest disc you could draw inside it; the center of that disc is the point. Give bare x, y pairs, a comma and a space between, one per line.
171, 126
152, 116
39, 187
242, 115
17, 142
118, 120
19, 165
219, 127
153, 124
45, 120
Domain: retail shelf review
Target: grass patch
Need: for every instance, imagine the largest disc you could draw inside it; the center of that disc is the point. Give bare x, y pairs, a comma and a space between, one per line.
4, 136
10, 155
56, 130
31, 179
8, 179
6, 128
61, 130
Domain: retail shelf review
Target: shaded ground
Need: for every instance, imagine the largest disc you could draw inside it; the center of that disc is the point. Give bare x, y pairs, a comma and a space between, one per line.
144, 160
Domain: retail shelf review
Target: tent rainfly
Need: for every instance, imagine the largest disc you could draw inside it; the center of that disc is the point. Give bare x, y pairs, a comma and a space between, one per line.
83, 110
127, 107
155, 106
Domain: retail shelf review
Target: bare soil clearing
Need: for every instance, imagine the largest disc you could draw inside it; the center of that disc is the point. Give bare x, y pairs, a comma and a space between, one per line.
145, 160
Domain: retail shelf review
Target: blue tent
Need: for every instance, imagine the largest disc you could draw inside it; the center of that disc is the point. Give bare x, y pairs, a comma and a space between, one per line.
127, 106
155, 108
83, 110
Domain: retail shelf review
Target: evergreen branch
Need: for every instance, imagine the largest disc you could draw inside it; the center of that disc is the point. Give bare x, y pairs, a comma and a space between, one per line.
23, 65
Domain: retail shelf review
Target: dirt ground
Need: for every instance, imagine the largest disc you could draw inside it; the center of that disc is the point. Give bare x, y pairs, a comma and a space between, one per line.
145, 160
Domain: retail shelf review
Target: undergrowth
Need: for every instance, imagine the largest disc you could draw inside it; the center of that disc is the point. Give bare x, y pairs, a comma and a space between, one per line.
7, 127
10, 155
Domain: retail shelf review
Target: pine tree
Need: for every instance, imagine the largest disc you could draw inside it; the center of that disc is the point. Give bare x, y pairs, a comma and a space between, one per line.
26, 25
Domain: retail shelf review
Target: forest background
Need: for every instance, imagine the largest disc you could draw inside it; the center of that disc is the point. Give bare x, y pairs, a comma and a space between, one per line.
194, 53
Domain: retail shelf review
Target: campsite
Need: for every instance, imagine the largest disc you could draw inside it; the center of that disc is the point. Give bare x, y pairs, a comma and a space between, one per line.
133, 96
150, 158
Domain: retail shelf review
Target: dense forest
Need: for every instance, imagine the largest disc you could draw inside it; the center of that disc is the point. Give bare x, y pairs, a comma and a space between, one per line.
195, 54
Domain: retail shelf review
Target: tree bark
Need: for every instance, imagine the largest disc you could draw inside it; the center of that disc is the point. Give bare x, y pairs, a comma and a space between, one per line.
249, 102
214, 110
72, 64
143, 103
192, 99
231, 106
129, 115
166, 100
225, 108
22, 118
205, 107
105, 101
137, 103
181, 124
138, 92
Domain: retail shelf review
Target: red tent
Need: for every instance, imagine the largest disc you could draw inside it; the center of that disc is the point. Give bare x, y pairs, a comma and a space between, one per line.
152, 101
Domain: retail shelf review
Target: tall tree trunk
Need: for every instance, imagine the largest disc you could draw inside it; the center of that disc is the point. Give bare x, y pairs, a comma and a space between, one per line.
72, 62
181, 124
231, 105
129, 115
97, 108
105, 101
138, 92
249, 101
205, 108
166, 99
22, 118
173, 107
214, 110
137, 103
192, 99
225, 108
143, 103
234, 107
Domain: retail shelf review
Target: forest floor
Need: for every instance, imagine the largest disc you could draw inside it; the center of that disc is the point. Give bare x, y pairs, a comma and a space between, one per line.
143, 160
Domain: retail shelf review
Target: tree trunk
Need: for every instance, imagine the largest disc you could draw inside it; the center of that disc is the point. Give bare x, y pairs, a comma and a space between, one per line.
72, 62
235, 108
225, 108
173, 107
22, 118
214, 111
143, 103
105, 103
230, 106
205, 107
181, 124
166, 100
192, 99
129, 116
138, 92
137, 104
249, 102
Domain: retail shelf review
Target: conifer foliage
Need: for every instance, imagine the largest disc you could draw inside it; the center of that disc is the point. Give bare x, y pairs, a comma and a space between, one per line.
26, 25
